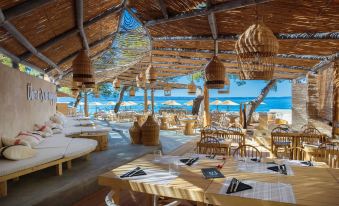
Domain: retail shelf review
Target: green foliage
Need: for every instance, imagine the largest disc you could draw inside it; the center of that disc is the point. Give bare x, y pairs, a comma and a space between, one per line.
106, 89
65, 90
5, 60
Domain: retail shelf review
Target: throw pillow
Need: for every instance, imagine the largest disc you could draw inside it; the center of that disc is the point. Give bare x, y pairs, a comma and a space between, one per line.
17, 152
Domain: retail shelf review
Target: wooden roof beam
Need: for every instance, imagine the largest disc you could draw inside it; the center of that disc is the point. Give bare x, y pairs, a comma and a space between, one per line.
73, 31
24, 41
163, 8
213, 25
229, 5
79, 5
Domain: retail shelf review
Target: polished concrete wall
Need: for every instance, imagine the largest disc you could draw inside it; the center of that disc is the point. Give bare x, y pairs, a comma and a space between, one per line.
17, 113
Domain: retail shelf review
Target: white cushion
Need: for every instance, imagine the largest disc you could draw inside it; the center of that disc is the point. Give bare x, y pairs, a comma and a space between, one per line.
42, 156
45, 130
17, 152
80, 146
56, 141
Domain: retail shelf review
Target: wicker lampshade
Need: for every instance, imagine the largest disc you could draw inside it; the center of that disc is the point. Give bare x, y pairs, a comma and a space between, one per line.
167, 90
82, 68
226, 89
116, 83
96, 91
132, 92
140, 80
75, 86
215, 74
256, 49
151, 74
90, 84
192, 88
227, 81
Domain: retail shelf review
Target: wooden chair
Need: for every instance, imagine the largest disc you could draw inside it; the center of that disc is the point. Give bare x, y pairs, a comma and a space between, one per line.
306, 126
247, 151
312, 136
280, 139
297, 153
328, 153
209, 145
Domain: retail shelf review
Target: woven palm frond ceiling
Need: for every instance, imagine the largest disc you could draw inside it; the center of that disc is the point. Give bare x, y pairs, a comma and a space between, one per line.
120, 34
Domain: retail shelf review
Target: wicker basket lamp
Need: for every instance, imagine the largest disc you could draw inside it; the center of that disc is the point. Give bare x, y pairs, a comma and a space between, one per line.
167, 91
82, 68
151, 74
215, 71
75, 88
116, 83
96, 91
256, 49
150, 132
191, 88
140, 80
132, 92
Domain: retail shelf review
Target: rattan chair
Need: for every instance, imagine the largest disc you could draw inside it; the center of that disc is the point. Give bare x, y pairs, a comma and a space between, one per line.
247, 151
306, 126
279, 140
297, 153
328, 153
209, 145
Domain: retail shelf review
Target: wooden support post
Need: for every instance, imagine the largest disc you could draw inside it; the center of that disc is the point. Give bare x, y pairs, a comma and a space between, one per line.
145, 100
207, 118
3, 189
69, 164
59, 169
152, 99
335, 124
85, 104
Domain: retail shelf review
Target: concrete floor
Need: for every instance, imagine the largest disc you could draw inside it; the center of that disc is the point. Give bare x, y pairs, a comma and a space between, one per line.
44, 188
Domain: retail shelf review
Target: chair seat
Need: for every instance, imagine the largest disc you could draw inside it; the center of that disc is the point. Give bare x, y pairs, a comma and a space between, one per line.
282, 143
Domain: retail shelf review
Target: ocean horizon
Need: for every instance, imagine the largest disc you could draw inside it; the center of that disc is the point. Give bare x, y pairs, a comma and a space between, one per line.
268, 103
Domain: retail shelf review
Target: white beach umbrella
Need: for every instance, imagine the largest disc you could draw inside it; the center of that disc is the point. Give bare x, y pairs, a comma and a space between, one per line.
111, 103
131, 103
189, 103
171, 103
260, 103
229, 103
125, 104
217, 103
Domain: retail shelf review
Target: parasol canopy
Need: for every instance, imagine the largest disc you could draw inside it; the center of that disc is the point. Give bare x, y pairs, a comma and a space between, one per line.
171, 103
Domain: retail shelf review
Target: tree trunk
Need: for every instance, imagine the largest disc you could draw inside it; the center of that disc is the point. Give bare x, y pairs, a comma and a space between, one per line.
256, 102
121, 97
77, 101
196, 104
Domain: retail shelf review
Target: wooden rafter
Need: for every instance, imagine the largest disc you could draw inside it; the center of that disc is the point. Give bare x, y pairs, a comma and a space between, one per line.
79, 5
24, 8
229, 5
24, 41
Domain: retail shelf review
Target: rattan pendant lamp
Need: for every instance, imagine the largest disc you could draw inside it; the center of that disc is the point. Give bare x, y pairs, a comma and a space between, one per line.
75, 88
151, 73
215, 71
116, 83
226, 89
83, 71
256, 50
167, 90
192, 88
132, 92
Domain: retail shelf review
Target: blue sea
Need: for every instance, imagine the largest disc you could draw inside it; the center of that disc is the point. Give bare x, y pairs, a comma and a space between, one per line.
269, 103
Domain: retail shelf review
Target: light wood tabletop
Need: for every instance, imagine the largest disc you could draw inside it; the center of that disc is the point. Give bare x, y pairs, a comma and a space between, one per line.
311, 186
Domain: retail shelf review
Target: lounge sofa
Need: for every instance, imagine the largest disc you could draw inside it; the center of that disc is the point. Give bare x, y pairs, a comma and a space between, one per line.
53, 151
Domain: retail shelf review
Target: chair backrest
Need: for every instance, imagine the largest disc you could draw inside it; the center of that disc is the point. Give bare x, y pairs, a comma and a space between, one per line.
235, 134
247, 151
312, 136
209, 145
297, 153
280, 130
306, 126
328, 153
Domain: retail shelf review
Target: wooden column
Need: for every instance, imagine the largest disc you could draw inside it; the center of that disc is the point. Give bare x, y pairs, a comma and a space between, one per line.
335, 124
207, 118
85, 104
145, 100
152, 98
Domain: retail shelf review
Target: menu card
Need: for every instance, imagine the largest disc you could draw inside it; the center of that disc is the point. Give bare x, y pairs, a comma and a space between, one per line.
211, 173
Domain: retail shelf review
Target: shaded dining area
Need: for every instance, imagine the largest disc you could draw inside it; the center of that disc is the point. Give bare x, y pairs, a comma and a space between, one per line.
169, 103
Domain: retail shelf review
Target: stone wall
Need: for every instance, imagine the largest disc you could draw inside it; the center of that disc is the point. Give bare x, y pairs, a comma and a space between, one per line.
17, 112
325, 93
299, 99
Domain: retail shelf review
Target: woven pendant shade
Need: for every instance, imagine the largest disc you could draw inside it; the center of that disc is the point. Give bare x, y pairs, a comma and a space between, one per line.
215, 74
132, 92
96, 91
226, 89
167, 91
151, 74
256, 49
82, 68
140, 80
116, 83
90, 84
75, 86
191, 88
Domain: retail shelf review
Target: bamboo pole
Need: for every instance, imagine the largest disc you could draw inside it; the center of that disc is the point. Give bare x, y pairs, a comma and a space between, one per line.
152, 96
335, 126
207, 118
85, 104
145, 100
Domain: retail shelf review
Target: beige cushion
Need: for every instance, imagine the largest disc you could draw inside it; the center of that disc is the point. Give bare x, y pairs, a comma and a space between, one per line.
80, 146
17, 152
45, 130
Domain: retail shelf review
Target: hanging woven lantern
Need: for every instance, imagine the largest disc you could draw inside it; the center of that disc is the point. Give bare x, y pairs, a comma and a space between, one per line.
96, 91
256, 49
140, 80
214, 74
89, 85
82, 68
192, 88
116, 83
151, 74
226, 89
167, 91
75, 87
132, 92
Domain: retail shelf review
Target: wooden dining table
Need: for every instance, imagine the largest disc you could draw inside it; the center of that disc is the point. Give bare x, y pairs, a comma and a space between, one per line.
311, 186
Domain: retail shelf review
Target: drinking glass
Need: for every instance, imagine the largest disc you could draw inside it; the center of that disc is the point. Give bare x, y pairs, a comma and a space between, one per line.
157, 155
174, 167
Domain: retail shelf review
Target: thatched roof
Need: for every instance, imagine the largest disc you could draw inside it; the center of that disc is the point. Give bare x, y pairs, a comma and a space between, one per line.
48, 34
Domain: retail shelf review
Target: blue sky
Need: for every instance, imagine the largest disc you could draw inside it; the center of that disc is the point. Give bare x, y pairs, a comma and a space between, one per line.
252, 88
